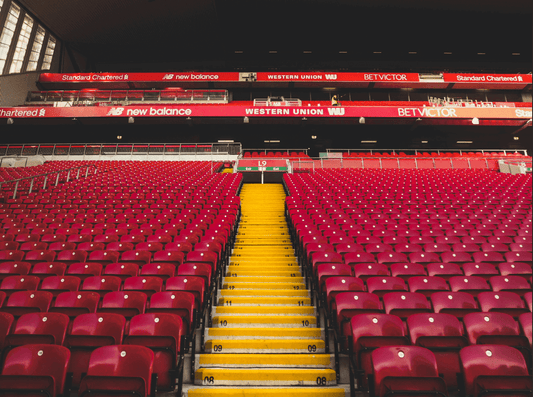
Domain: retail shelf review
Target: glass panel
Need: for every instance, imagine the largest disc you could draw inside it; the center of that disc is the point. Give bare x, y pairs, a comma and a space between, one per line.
36, 48
22, 45
7, 33
49, 54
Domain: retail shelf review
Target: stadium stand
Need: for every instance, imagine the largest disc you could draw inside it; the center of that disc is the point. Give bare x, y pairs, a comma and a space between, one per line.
359, 226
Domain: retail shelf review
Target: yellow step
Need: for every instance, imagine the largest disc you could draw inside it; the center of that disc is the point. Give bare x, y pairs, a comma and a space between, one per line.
264, 346
234, 268
255, 248
262, 279
267, 360
224, 293
243, 273
264, 301
261, 241
301, 321
263, 261
260, 377
238, 257
305, 310
268, 392
264, 333
263, 285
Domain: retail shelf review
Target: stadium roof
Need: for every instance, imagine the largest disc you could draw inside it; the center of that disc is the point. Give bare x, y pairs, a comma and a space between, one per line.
314, 34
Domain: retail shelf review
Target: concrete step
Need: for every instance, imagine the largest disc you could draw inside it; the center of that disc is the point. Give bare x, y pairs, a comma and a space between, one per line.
235, 267
224, 293
277, 273
255, 248
262, 377
265, 360
263, 241
280, 310
264, 333
241, 284
325, 391
236, 256
263, 301
291, 321
263, 261
241, 277
262, 346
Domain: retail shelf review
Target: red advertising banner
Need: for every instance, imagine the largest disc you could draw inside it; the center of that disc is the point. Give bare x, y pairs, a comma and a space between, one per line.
363, 79
251, 111
136, 77
338, 77
487, 78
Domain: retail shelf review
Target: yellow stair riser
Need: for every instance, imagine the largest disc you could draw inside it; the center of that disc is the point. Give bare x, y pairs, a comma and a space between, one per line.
236, 266
263, 261
264, 293
273, 392
233, 280
263, 346
287, 310
238, 256
264, 321
266, 360
264, 301
264, 333
251, 377
257, 273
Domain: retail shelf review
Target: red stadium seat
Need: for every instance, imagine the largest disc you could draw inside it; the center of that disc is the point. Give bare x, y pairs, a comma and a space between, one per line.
90, 331
369, 332
502, 301
443, 335
35, 370
404, 304
162, 333
406, 370
119, 369
494, 369
38, 328
458, 304
125, 303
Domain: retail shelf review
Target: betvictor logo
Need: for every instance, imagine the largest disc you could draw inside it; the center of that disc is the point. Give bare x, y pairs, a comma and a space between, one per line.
331, 77
336, 111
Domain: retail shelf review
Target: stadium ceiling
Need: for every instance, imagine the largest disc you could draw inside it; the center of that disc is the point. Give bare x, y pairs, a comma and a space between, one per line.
289, 34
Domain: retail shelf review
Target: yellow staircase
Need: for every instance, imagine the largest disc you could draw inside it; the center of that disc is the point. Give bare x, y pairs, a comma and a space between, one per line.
264, 339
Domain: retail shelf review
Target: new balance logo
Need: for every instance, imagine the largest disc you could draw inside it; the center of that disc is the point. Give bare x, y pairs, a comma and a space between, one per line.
331, 77
336, 111
115, 112
169, 76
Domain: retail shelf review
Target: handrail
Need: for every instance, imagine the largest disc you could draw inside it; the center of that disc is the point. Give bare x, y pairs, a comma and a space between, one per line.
523, 151
45, 175
105, 149
275, 150
77, 97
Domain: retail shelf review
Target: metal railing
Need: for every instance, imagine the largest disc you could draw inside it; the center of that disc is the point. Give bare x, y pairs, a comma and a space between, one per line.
125, 97
464, 162
46, 175
64, 151
264, 151
428, 150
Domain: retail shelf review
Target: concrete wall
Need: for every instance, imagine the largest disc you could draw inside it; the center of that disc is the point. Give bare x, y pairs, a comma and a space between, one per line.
14, 88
